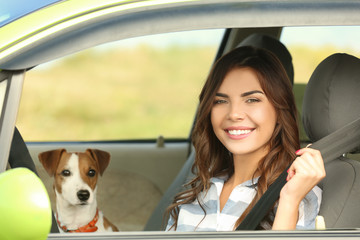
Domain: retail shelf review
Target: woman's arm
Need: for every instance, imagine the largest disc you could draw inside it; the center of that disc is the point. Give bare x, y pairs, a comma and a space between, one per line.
304, 174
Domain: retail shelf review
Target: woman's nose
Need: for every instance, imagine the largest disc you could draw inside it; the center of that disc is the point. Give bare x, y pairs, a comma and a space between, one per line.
236, 113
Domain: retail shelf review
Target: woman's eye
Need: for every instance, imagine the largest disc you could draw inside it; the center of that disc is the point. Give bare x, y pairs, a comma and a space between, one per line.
65, 173
219, 101
252, 100
91, 173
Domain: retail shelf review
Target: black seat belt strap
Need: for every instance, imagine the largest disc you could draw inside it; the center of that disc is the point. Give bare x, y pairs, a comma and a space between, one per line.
332, 146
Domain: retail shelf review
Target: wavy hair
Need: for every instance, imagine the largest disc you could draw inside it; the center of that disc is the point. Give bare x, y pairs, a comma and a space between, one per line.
212, 159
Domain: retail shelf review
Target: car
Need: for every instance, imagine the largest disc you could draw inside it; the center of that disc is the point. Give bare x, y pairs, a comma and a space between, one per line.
80, 75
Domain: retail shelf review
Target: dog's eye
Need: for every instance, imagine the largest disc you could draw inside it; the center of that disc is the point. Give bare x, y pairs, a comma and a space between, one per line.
65, 173
91, 173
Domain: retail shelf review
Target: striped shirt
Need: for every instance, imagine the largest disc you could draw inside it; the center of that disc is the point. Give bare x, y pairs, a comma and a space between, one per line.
191, 216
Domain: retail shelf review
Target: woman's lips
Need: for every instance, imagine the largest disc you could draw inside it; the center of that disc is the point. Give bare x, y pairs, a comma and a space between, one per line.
239, 133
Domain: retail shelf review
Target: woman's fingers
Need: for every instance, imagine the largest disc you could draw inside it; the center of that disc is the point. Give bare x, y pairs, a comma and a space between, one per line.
305, 172
312, 160
309, 163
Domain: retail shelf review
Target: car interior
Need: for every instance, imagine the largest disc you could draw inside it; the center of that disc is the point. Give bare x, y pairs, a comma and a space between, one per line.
329, 101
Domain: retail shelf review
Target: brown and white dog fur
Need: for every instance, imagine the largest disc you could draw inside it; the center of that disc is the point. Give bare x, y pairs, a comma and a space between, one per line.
75, 185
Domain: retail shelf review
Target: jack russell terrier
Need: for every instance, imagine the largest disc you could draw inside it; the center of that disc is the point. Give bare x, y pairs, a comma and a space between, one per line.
75, 185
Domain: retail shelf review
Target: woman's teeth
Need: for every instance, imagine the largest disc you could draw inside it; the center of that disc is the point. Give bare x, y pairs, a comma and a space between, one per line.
238, 132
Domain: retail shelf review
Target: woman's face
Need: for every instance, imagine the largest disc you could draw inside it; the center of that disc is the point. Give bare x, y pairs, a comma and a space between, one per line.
242, 117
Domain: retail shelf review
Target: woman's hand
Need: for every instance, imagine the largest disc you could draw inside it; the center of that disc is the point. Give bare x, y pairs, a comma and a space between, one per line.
303, 175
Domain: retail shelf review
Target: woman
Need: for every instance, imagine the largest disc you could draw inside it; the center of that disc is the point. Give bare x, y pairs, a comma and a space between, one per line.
245, 135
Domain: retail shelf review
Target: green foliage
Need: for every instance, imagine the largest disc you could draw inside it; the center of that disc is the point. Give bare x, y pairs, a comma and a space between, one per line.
306, 58
129, 93
115, 94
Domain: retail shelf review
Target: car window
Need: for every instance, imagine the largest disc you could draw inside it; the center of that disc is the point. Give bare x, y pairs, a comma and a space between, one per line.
309, 46
151, 88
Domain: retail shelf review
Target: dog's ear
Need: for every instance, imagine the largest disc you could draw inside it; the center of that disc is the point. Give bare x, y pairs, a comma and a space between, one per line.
102, 158
50, 160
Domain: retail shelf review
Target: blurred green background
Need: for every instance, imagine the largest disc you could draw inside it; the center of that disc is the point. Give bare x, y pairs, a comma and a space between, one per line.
129, 92
112, 94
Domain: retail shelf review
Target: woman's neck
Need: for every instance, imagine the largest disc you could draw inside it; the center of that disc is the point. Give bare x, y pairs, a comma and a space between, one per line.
245, 167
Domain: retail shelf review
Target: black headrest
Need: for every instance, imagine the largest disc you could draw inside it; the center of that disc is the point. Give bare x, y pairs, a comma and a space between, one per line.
274, 46
332, 96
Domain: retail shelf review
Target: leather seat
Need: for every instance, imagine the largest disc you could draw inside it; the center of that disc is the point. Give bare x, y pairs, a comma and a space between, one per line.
332, 100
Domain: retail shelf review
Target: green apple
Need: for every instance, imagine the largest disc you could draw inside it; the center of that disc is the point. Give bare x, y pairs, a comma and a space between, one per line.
24, 206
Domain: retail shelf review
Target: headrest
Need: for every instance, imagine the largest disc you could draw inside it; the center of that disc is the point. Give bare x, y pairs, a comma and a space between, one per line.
274, 46
332, 96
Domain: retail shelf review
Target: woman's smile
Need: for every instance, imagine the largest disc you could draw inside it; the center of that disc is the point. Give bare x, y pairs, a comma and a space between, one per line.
239, 132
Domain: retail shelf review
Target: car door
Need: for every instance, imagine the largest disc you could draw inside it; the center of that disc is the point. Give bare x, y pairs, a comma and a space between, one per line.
151, 152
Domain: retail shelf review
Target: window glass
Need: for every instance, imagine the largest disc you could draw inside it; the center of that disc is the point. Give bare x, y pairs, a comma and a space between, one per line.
133, 89
311, 45
11, 10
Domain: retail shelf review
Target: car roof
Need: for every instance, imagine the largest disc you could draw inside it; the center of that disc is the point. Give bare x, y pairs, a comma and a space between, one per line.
74, 25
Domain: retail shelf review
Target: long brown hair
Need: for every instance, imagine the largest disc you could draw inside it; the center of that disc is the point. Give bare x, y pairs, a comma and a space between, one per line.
212, 159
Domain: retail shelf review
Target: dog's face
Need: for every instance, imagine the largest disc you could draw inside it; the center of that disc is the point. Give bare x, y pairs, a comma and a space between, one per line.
75, 174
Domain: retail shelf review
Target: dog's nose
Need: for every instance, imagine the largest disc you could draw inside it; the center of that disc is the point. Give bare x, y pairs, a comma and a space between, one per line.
83, 195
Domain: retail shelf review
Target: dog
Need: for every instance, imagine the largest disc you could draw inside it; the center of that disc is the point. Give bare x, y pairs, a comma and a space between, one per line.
75, 185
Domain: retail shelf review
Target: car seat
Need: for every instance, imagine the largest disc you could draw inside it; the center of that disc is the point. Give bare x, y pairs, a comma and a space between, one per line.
156, 221
331, 101
275, 46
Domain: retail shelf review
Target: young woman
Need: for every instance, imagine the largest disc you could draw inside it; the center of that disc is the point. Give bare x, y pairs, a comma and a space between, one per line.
246, 134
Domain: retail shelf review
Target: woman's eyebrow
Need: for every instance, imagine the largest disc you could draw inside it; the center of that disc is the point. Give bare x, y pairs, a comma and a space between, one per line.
251, 92
242, 95
221, 95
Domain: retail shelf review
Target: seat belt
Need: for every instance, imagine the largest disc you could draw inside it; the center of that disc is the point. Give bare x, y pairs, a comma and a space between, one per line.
331, 147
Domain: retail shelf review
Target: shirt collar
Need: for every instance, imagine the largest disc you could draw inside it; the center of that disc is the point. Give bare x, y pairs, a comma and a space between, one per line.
221, 179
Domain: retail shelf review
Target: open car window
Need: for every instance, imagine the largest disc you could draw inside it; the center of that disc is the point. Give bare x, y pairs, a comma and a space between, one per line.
318, 42
307, 52
138, 88
122, 96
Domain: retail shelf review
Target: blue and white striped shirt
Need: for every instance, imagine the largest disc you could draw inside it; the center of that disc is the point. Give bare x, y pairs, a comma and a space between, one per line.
191, 216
